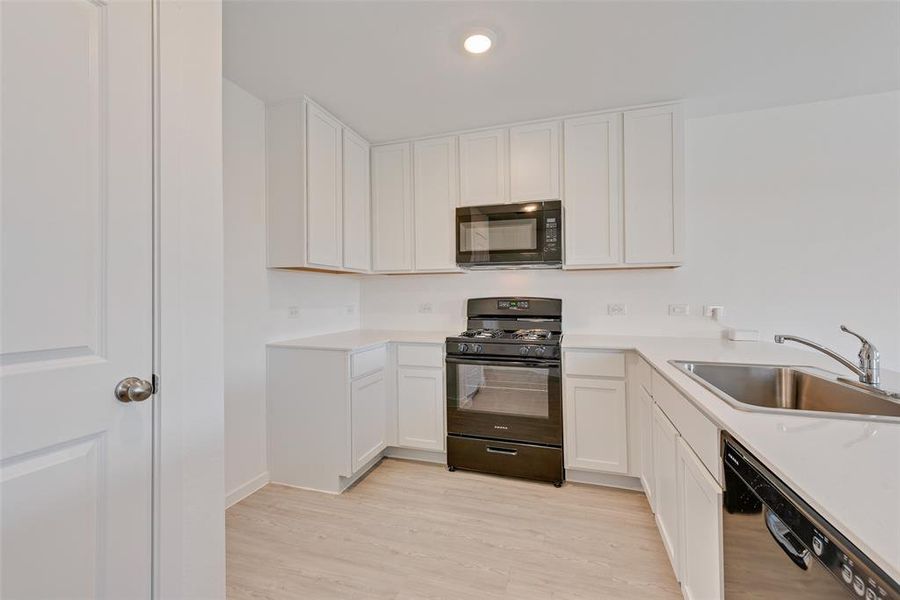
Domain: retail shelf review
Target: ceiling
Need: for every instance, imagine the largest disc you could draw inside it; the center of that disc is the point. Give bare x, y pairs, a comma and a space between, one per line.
393, 70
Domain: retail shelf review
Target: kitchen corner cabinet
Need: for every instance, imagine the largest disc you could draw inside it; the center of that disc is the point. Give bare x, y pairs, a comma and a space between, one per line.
654, 186
435, 197
645, 426
317, 184
484, 168
624, 198
700, 504
392, 209
534, 162
665, 471
357, 205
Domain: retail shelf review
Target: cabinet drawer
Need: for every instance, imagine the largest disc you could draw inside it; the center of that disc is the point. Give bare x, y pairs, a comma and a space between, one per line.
698, 432
367, 361
595, 364
418, 355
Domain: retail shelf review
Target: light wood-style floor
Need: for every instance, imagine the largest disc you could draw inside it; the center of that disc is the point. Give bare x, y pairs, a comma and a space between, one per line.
415, 531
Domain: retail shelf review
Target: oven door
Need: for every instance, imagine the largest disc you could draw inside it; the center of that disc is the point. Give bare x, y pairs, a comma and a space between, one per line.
501, 235
505, 399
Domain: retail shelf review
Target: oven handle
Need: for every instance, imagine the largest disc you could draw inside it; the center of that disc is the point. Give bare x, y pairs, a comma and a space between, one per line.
499, 450
503, 363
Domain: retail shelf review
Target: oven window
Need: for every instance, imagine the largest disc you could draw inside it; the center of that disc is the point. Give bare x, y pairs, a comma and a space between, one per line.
520, 391
499, 235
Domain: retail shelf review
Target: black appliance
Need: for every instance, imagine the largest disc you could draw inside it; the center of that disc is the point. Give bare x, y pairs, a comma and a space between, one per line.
776, 546
512, 236
504, 395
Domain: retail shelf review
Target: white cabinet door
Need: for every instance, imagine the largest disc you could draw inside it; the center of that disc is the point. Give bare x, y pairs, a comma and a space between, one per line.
357, 223
534, 162
596, 425
392, 209
436, 194
654, 187
665, 471
483, 168
75, 295
324, 204
368, 418
593, 147
420, 408
645, 415
700, 504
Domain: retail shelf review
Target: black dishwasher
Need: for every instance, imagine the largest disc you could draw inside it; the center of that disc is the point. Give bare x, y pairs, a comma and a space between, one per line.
776, 546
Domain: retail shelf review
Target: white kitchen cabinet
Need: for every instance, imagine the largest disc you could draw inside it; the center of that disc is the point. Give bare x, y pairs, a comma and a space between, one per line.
666, 487
357, 206
654, 186
534, 162
324, 182
596, 424
645, 428
484, 168
593, 198
435, 197
420, 408
368, 418
392, 209
700, 504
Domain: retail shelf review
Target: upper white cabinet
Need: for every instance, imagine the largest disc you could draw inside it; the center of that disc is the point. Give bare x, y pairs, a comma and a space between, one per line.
654, 186
435, 197
593, 209
392, 209
324, 184
484, 168
317, 190
534, 162
357, 206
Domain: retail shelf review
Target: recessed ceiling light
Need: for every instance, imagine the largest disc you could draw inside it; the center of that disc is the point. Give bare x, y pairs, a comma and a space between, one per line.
479, 42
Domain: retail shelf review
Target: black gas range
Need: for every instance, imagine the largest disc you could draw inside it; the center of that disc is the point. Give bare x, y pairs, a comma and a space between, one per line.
504, 397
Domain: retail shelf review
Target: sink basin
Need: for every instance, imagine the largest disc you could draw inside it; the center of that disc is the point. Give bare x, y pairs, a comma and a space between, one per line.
790, 388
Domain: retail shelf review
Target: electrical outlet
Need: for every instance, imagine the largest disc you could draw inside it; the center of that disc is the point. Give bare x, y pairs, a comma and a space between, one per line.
679, 310
617, 310
714, 311
293, 312
349, 309
426, 308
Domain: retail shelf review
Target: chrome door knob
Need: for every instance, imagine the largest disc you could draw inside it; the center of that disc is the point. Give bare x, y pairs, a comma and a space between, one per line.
133, 389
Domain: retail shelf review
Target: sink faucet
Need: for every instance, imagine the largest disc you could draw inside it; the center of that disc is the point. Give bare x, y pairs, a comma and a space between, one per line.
868, 370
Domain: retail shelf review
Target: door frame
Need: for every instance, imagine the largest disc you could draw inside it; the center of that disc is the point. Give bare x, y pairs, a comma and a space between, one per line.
188, 510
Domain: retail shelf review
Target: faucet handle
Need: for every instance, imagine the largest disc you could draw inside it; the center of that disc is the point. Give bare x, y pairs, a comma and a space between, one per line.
864, 341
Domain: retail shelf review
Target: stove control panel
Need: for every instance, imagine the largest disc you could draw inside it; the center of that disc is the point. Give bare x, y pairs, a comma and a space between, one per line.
512, 304
537, 351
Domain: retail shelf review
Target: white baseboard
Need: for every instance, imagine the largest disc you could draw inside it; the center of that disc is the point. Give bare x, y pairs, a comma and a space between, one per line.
245, 489
624, 482
430, 456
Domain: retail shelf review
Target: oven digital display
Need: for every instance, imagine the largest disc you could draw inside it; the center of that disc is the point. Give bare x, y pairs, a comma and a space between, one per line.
513, 304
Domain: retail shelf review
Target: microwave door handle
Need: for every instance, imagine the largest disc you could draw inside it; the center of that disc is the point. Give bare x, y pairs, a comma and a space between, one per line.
781, 534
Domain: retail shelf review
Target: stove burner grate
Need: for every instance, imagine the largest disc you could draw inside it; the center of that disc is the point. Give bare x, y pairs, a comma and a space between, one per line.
532, 334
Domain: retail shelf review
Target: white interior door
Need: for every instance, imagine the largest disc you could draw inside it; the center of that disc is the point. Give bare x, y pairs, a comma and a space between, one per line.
75, 298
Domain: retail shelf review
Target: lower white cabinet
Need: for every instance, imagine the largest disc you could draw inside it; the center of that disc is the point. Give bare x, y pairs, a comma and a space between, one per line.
645, 418
420, 408
700, 503
665, 487
596, 427
368, 418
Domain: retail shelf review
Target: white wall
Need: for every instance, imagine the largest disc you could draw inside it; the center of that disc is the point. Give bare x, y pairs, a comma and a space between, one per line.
793, 224
257, 300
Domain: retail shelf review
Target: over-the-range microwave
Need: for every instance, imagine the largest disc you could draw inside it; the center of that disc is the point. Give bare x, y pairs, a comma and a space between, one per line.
510, 236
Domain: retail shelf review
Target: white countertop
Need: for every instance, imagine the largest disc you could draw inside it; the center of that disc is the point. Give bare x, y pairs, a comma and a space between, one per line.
361, 339
848, 470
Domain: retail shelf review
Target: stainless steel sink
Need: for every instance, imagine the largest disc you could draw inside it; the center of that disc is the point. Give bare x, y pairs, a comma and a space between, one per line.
791, 388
